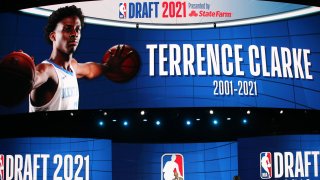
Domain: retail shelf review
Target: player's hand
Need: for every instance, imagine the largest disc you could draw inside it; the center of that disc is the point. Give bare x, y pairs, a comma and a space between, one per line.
17, 75
116, 58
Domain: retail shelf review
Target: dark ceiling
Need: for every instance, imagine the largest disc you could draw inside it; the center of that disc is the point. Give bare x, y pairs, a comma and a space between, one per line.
173, 124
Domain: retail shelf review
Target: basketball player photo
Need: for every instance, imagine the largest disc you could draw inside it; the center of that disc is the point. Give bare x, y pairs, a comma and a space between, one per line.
52, 85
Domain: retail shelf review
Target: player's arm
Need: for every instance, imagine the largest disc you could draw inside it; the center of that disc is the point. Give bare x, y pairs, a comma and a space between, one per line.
42, 74
89, 70
92, 70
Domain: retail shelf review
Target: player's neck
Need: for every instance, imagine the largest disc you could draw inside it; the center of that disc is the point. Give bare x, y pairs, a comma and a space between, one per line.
61, 59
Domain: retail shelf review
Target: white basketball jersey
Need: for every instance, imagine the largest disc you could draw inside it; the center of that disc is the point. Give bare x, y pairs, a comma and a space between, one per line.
66, 96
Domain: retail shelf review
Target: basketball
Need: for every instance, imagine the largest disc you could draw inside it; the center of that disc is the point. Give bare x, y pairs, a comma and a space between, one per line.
17, 72
123, 62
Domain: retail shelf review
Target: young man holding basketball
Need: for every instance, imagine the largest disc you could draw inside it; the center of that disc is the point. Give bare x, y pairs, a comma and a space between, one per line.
55, 84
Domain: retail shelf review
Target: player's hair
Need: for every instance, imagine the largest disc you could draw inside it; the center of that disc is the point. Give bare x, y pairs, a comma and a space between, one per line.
60, 14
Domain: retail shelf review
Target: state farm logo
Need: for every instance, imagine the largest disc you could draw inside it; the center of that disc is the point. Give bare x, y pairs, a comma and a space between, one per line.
193, 13
206, 10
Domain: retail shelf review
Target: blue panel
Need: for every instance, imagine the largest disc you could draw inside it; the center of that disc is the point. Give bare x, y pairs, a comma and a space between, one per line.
150, 35
205, 34
310, 42
235, 32
201, 160
10, 21
271, 41
279, 28
304, 25
177, 35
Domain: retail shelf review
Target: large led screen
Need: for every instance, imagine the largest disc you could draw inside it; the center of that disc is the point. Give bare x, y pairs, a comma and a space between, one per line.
97, 159
176, 54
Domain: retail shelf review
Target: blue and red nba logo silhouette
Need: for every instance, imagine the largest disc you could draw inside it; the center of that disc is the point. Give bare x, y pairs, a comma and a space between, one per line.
1, 167
265, 165
122, 10
172, 166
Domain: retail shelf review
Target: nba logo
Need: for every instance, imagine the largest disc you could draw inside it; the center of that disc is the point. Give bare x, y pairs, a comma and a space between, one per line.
172, 166
1, 167
265, 165
122, 10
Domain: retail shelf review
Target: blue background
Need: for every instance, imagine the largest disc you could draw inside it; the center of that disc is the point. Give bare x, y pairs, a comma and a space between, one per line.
22, 31
202, 161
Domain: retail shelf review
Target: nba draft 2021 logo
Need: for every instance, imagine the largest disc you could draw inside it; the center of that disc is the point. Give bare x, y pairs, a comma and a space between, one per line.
122, 10
265, 165
1, 167
172, 166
